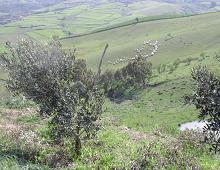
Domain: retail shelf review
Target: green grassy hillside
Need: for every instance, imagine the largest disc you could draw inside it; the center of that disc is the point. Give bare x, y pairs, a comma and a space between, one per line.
180, 38
73, 17
190, 36
152, 115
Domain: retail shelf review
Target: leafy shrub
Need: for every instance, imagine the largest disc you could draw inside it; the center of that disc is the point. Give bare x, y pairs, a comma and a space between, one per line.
217, 56
206, 98
134, 75
106, 80
170, 154
120, 84
188, 60
172, 68
61, 85
161, 68
139, 70
176, 63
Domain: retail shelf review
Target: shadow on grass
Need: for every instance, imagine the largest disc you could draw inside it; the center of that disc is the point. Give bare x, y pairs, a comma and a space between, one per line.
156, 84
10, 160
131, 93
121, 96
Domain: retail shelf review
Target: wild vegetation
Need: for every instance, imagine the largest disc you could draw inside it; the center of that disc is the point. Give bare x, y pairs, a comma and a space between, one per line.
128, 143
60, 85
61, 113
206, 99
136, 74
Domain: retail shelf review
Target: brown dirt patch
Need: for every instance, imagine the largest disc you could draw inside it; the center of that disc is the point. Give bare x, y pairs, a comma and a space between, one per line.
8, 119
12, 114
137, 135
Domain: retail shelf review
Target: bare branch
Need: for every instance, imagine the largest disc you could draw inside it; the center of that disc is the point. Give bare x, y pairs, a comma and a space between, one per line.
101, 60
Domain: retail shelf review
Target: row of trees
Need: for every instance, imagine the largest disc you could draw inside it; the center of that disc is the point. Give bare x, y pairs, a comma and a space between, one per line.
135, 74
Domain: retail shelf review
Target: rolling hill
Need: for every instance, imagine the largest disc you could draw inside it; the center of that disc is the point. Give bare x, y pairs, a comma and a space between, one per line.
179, 38
45, 19
11, 10
150, 117
184, 38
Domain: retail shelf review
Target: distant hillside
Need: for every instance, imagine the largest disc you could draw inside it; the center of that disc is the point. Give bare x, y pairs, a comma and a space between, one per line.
42, 19
11, 10
179, 38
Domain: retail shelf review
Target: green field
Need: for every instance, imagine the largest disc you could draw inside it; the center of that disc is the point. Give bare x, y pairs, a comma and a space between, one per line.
83, 18
153, 114
191, 37
74, 17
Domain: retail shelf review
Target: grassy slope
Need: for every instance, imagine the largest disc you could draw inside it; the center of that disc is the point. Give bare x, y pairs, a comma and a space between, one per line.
74, 17
159, 107
192, 36
61, 20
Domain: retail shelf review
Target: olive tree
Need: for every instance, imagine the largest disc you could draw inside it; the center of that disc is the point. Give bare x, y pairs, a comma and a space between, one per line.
139, 70
105, 80
206, 98
61, 85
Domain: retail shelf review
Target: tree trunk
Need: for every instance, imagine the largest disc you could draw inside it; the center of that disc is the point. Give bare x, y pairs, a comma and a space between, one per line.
144, 83
78, 145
